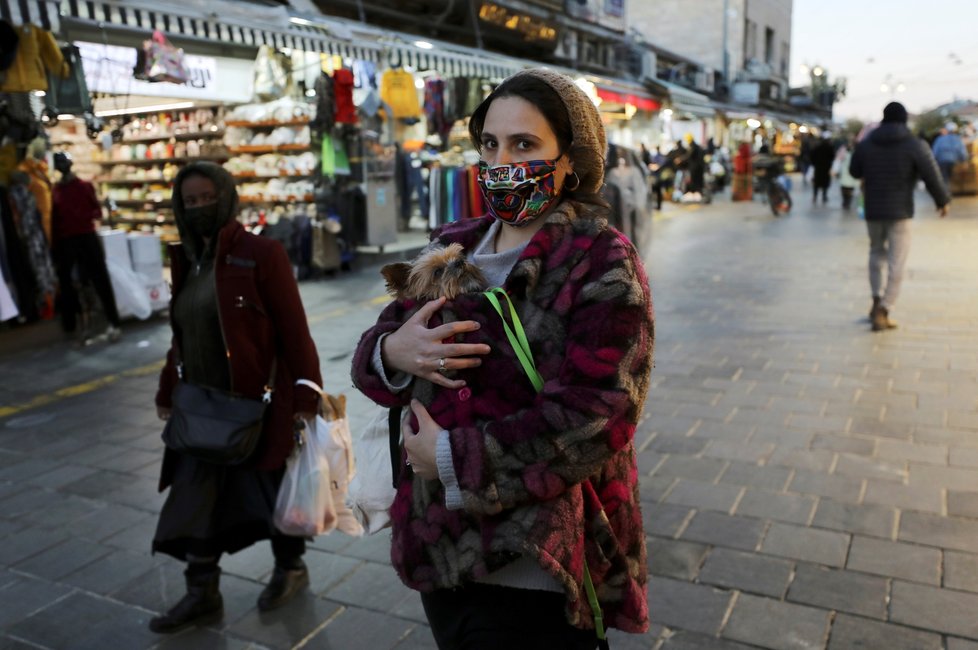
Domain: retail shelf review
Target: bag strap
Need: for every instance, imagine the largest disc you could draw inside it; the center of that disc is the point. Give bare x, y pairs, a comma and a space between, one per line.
517, 338
394, 440
267, 391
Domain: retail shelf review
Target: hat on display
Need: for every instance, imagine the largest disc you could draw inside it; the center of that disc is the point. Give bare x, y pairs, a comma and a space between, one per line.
590, 142
895, 112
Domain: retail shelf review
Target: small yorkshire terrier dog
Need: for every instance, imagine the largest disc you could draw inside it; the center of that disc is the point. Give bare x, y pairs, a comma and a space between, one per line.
439, 271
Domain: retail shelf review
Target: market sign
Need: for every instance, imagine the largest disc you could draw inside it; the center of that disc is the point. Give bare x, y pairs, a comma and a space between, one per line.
108, 69
641, 103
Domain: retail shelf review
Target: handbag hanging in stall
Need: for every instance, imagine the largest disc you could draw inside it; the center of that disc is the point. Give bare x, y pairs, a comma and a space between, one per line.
68, 92
159, 60
214, 426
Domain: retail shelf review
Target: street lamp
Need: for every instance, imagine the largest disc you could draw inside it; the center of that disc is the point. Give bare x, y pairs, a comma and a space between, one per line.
892, 86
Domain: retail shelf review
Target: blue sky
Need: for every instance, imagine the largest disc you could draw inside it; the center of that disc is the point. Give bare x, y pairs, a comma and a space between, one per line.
911, 41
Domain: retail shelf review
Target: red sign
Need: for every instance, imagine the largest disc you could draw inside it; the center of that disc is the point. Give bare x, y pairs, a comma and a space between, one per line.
641, 103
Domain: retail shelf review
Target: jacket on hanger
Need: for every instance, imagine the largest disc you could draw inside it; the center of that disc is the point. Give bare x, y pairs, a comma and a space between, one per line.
37, 54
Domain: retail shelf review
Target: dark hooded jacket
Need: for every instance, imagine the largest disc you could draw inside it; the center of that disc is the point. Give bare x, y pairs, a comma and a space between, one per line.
889, 161
260, 319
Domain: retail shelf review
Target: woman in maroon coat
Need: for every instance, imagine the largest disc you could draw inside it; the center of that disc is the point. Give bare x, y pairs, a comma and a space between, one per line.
506, 494
236, 310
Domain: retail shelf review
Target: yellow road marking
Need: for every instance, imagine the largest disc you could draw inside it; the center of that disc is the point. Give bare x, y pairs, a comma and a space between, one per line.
95, 384
80, 389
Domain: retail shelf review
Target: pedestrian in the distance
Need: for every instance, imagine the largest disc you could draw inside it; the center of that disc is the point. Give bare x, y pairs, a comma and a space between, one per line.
236, 314
889, 161
822, 157
74, 215
847, 182
499, 511
949, 150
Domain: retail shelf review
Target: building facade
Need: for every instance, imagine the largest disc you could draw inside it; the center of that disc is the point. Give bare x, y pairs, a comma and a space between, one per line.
745, 45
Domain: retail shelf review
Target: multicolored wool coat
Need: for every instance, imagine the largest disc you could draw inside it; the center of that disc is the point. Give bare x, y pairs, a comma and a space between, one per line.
549, 475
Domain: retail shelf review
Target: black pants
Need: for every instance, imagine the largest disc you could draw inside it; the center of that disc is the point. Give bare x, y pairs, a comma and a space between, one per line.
488, 617
286, 549
85, 252
846, 197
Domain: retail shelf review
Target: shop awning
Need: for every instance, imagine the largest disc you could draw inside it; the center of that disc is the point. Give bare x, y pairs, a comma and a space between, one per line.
685, 100
43, 13
183, 21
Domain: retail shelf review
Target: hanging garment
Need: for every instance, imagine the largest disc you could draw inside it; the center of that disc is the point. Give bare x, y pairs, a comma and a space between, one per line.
24, 284
272, 76
434, 109
31, 233
8, 308
37, 54
343, 93
325, 105
397, 89
456, 98
40, 187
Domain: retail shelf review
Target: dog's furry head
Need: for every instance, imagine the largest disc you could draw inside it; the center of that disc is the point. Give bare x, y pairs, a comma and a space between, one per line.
439, 271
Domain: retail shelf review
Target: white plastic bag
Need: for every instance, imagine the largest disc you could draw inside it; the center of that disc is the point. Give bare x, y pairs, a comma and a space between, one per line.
330, 434
304, 506
131, 296
371, 491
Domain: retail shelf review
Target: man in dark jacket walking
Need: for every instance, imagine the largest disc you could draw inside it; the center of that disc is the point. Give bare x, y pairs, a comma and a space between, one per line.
889, 161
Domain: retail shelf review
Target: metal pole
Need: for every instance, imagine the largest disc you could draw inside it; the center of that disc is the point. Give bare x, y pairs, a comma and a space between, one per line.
726, 56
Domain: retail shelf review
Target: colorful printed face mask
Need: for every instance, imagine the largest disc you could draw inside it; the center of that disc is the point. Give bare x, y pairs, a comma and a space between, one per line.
519, 192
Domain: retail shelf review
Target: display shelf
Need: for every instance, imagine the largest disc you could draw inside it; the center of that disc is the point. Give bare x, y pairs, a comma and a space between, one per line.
268, 148
176, 136
251, 200
159, 161
141, 221
135, 203
268, 177
131, 181
302, 121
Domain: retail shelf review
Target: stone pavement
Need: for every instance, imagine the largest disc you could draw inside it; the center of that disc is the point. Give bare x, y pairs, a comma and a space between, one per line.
806, 483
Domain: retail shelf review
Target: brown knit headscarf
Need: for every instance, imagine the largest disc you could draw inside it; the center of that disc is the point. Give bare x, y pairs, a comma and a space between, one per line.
585, 144
590, 142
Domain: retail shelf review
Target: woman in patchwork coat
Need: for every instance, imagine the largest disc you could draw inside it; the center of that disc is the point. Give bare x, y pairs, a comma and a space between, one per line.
505, 493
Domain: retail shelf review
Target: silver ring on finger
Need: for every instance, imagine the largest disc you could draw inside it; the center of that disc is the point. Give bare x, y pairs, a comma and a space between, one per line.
441, 365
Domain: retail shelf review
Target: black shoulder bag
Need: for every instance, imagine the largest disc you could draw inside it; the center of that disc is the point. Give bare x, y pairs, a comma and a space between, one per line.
214, 426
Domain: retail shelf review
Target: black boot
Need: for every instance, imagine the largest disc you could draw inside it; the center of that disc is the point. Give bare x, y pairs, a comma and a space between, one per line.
201, 605
872, 310
284, 585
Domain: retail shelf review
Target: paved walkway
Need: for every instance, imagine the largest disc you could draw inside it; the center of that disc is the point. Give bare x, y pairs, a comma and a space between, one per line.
806, 483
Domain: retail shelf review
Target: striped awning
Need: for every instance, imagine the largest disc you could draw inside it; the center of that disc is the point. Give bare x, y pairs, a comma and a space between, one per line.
450, 64
43, 13
303, 35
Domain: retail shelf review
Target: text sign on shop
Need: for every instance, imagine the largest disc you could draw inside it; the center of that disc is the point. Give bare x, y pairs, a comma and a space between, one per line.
108, 69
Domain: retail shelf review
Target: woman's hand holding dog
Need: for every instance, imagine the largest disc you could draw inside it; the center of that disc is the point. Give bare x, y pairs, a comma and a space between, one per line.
420, 447
417, 350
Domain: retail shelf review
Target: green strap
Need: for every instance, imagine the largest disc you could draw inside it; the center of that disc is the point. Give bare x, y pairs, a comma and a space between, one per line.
592, 597
518, 340
522, 348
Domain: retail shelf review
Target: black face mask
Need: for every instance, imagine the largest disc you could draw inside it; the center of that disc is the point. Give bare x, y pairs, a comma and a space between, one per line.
204, 220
